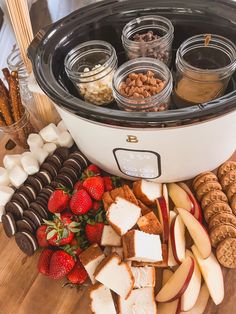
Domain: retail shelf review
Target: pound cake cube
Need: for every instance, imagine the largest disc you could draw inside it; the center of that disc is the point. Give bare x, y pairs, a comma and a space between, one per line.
110, 237
101, 300
150, 224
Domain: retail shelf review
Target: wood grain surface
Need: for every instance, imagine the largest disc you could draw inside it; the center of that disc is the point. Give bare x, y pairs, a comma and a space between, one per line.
24, 291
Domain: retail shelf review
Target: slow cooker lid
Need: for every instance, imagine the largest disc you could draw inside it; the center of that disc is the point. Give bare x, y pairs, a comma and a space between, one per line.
50, 47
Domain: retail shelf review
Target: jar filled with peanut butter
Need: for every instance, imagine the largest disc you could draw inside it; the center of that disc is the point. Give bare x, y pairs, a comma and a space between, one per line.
204, 64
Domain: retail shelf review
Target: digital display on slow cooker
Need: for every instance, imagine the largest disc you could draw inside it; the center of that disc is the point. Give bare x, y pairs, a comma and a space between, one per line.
138, 163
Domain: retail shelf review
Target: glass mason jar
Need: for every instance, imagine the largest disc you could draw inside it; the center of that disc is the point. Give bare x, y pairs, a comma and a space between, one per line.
158, 102
20, 130
205, 64
91, 66
158, 46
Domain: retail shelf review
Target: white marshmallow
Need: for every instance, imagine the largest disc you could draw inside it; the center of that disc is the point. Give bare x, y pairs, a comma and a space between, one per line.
17, 176
4, 178
2, 212
50, 133
10, 161
65, 140
35, 140
61, 126
30, 164
5, 194
50, 148
40, 154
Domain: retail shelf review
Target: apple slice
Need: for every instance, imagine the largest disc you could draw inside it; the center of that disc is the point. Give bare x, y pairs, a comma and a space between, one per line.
163, 215
197, 208
178, 283
166, 196
212, 274
201, 303
197, 231
180, 198
177, 233
171, 260
190, 296
169, 307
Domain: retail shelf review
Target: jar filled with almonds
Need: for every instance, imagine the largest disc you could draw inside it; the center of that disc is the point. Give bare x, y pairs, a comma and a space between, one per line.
143, 85
91, 66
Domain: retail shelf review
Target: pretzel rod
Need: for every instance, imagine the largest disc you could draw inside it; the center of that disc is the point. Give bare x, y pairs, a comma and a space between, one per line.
14, 74
3, 89
6, 73
14, 98
5, 110
2, 122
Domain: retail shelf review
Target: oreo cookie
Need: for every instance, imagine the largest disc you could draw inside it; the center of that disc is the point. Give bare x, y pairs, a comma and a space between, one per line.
15, 208
80, 158
62, 152
39, 209
44, 176
55, 185
55, 161
28, 191
22, 199
27, 242
34, 216
64, 180
35, 183
25, 224
70, 172
49, 168
9, 224
74, 164
42, 201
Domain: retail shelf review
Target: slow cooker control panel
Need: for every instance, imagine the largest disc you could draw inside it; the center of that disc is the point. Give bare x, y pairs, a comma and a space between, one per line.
138, 163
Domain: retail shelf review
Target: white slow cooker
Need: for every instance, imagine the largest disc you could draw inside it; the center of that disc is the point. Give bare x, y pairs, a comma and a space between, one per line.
166, 146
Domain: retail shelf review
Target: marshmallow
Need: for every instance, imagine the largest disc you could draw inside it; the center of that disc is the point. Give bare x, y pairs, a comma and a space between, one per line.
2, 212
10, 161
35, 140
5, 194
65, 140
61, 126
4, 178
50, 133
40, 154
30, 163
50, 148
17, 176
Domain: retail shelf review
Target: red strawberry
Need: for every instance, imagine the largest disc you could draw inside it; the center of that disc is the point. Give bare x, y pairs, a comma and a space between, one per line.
75, 247
92, 170
61, 264
58, 201
78, 275
108, 184
44, 261
95, 187
66, 214
41, 235
78, 186
80, 202
96, 206
94, 232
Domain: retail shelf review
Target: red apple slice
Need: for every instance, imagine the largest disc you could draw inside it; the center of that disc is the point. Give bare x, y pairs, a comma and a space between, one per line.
169, 307
163, 215
177, 233
197, 231
197, 208
166, 196
190, 296
201, 303
180, 198
212, 274
171, 260
178, 283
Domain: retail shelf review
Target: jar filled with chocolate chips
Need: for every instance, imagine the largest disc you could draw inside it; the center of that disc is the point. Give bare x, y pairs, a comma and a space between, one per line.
142, 85
149, 36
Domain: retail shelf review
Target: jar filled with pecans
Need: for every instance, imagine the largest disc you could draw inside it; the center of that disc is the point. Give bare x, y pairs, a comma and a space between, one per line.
149, 36
91, 66
143, 85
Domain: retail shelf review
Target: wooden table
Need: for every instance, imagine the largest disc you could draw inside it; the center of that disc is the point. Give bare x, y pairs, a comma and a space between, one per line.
24, 291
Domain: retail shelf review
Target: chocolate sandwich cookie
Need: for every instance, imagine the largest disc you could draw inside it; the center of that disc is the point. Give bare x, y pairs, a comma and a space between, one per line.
203, 177
64, 180
22, 199
55, 185
49, 168
55, 161
40, 210
221, 232
25, 224
15, 208
226, 253
35, 183
9, 224
28, 191
34, 216
231, 191
46, 192
27, 242
80, 158
74, 164
44, 176
62, 152
226, 167
42, 201
213, 196
222, 218
70, 172
206, 187
216, 208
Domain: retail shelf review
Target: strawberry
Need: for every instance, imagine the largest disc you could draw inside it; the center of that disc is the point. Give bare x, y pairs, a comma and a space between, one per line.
44, 261
96, 206
58, 201
95, 187
41, 235
78, 185
61, 264
92, 170
94, 232
80, 202
75, 247
78, 275
108, 184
